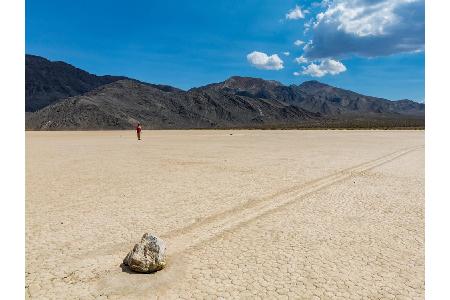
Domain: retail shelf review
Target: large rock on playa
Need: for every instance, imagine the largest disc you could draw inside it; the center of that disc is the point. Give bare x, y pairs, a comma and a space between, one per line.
148, 256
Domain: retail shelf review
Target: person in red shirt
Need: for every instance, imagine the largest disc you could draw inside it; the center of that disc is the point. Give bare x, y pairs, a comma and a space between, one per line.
138, 131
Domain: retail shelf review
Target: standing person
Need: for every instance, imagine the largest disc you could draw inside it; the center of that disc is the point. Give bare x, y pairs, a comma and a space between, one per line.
138, 131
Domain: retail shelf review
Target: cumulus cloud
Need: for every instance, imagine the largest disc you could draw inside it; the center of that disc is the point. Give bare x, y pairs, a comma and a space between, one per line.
326, 66
287, 53
307, 25
367, 28
301, 60
295, 13
320, 3
297, 73
263, 61
298, 42
308, 45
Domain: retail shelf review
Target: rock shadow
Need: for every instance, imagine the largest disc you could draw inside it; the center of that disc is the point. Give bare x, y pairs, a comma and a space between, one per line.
127, 269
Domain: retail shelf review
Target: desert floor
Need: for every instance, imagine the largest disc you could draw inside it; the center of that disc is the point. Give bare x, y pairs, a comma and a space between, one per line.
245, 214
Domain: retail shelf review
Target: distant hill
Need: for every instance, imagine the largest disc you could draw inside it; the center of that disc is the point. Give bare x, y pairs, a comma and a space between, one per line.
47, 82
62, 97
331, 100
319, 97
123, 103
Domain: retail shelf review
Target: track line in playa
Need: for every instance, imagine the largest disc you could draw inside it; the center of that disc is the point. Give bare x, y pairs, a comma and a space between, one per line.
182, 239
222, 224
219, 225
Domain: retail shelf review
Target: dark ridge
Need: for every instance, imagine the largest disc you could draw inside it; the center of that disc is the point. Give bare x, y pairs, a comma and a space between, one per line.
48, 82
62, 97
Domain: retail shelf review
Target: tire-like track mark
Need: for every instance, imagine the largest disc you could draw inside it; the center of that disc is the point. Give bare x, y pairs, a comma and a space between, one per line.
223, 224
182, 239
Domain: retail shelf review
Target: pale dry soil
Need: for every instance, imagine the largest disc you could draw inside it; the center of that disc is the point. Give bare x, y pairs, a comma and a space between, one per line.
245, 214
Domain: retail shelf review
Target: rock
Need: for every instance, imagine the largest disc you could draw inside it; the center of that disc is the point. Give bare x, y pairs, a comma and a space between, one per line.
148, 256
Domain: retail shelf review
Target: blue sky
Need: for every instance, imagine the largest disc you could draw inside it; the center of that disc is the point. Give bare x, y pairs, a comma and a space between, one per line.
375, 47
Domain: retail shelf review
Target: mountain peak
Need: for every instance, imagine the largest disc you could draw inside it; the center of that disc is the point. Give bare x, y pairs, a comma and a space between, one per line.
313, 83
249, 83
32, 57
64, 97
47, 82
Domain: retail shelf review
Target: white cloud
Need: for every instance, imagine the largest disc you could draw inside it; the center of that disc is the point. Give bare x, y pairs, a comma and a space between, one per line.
287, 53
322, 3
368, 28
263, 61
326, 66
297, 73
360, 18
313, 70
307, 25
295, 13
308, 45
298, 42
301, 60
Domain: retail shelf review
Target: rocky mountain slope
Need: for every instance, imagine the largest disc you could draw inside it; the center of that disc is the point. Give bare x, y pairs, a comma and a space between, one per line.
62, 97
46, 81
318, 97
123, 103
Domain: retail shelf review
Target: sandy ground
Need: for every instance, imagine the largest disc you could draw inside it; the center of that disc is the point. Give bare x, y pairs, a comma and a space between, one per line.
245, 214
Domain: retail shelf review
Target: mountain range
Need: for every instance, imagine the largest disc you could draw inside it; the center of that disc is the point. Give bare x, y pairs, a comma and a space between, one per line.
60, 96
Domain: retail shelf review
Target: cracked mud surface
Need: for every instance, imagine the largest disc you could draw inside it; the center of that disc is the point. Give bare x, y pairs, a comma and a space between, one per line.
259, 214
